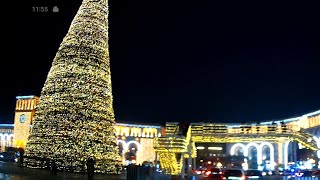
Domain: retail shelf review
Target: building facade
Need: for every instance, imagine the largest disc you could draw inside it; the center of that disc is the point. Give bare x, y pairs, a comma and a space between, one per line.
139, 143
6, 136
135, 140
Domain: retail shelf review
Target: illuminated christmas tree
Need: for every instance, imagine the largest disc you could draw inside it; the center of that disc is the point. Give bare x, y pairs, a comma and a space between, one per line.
74, 119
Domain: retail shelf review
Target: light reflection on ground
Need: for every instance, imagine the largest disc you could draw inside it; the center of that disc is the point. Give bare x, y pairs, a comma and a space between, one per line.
300, 178
10, 171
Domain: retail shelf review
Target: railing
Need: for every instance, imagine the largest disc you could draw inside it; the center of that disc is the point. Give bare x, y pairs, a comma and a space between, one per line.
213, 130
306, 140
171, 143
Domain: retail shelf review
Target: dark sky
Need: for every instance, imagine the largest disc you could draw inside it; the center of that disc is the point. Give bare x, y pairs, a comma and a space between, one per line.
219, 61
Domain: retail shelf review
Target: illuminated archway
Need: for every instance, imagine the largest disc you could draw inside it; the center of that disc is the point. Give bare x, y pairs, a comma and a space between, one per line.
2, 142
5, 139
10, 139
291, 150
271, 153
235, 146
1, 137
259, 154
253, 155
271, 150
134, 142
239, 151
134, 152
124, 149
124, 144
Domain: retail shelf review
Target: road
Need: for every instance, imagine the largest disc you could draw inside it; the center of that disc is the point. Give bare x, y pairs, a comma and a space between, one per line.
11, 171
276, 177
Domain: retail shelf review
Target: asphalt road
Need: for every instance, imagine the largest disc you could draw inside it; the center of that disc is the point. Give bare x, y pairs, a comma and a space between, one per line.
11, 171
276, 177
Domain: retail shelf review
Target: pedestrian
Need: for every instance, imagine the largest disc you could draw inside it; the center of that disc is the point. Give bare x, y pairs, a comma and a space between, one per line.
90, 168
21, 160
54, 168
84, 167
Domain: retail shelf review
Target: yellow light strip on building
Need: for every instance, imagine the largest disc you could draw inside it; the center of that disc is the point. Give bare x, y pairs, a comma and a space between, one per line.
215, 148
200, 147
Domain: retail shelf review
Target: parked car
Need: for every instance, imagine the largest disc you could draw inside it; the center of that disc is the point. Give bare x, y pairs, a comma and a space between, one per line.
8, 157
267, 172
316, 173
253, 174
286, 173
307, 173
237, 174
215, 173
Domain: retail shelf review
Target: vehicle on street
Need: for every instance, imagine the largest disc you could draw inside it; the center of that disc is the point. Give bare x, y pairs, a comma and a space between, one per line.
316, 173
286, 172
215, 174
251, 174
203, 171
237, 174
307, 173
267, 172
8, 157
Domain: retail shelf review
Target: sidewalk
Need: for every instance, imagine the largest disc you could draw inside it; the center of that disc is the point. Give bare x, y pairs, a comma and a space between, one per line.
11, 171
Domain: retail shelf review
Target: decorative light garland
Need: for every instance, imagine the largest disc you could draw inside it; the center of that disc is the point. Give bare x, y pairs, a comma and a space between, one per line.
74, 119
172, 144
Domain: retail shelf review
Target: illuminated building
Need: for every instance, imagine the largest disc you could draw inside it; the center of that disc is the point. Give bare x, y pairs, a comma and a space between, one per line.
74, 119
129, 135
138, 138
6, 136
271, 136
24, 115
166, 144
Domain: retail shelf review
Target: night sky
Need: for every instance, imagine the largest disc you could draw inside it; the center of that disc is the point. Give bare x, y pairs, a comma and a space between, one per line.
213, 61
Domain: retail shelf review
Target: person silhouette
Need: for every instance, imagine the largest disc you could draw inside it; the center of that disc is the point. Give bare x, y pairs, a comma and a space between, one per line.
90, 168
54, 168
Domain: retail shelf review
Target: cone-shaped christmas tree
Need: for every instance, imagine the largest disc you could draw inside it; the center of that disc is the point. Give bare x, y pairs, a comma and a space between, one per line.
74, 119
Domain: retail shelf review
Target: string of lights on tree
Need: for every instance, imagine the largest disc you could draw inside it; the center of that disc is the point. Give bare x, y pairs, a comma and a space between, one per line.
74, 119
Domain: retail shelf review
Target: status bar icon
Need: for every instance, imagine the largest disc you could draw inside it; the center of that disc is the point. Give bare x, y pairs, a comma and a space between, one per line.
55, 9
